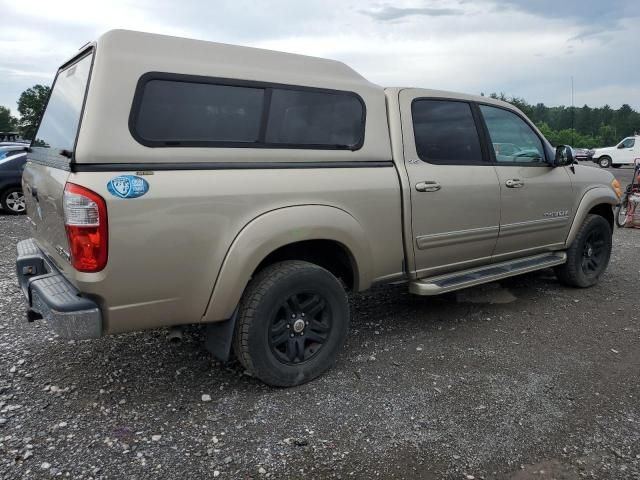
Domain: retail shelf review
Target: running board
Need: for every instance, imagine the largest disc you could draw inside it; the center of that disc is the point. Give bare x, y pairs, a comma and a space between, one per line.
485, 274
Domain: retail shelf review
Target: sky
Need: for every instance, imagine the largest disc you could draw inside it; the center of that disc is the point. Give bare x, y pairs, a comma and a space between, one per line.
524, 48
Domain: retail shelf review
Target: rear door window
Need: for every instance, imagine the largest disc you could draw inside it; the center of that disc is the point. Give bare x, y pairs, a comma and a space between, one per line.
445, 132
59, 125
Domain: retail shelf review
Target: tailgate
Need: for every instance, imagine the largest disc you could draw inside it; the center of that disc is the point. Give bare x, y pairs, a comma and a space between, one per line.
43, 187
52, 151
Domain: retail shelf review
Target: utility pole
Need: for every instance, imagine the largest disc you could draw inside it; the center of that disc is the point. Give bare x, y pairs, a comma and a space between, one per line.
573, 115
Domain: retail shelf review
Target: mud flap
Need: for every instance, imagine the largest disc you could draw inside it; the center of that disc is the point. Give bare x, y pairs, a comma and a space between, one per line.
219, 336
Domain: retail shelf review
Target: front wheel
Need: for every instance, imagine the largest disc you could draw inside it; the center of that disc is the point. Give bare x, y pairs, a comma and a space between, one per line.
621, 214
588, 255
292, 321
604, 162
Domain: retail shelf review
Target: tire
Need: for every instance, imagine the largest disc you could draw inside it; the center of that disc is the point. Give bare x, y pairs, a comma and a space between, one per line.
621, 214
604, 162
588, 255
12, 201
292, 321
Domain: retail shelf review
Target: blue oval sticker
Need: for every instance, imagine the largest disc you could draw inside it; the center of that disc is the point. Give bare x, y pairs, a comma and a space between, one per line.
127, 186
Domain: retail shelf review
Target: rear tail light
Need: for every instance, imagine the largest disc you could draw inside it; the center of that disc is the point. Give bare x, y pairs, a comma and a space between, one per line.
85, 219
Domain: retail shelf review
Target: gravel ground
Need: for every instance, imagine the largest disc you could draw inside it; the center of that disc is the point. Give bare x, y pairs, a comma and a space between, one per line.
518, 379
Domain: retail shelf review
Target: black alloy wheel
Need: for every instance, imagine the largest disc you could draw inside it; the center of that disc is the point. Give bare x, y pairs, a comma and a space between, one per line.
300, 327
594, 252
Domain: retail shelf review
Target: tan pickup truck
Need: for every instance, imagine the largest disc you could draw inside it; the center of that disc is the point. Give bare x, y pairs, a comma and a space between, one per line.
174, 181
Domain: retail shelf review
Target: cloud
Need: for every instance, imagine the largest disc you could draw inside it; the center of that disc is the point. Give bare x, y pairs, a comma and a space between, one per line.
593, 11
389, 13
514, 46
593, 18
603, 36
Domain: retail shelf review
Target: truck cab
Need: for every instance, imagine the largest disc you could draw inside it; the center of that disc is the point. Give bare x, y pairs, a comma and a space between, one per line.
624, 153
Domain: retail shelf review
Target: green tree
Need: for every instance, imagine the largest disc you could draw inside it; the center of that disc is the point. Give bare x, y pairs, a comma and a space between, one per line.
627, 120
8, 123
548, 133
580, 127
583, 120
539, 113
607, 135
30, 105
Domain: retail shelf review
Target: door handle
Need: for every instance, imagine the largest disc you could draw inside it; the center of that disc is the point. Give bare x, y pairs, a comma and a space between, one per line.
428, 186
514, 183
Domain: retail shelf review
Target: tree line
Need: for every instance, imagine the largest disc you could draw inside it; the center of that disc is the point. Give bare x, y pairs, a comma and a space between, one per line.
581, 127
584, 126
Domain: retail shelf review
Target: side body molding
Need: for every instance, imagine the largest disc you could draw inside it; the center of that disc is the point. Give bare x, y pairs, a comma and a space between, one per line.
278, 228
593, 197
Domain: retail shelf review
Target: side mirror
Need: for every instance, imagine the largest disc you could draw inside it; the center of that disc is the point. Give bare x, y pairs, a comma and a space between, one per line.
621, 146
564, 156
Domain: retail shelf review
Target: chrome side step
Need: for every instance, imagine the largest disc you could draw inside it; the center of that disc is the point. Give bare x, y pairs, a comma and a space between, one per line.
485, 274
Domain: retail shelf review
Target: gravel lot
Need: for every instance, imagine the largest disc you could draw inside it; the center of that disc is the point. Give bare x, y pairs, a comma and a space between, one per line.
518, 379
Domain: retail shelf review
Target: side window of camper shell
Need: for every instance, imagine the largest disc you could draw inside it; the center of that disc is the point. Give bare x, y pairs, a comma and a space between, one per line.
182, 111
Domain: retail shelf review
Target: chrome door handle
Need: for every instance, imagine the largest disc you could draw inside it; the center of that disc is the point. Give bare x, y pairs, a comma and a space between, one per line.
514, 183
428, 186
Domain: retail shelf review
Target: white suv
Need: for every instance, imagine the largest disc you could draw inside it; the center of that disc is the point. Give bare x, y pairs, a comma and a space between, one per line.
625, 153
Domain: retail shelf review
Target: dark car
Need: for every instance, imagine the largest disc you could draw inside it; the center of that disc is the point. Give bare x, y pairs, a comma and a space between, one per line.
11, 165
582, 154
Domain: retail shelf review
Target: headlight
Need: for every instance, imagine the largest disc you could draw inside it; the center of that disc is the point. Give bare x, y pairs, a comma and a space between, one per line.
615, 184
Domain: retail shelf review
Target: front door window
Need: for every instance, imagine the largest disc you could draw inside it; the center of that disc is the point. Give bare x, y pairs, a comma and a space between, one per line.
513, 140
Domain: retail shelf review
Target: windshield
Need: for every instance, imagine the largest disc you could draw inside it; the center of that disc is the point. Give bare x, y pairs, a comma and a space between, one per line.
59, 125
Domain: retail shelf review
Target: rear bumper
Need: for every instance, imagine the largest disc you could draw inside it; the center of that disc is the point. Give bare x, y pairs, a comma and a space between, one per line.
51, 296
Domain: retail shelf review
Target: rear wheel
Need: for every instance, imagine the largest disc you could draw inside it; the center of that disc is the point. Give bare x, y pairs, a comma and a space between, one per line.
588, 255
12, 201
604, 162
292, 321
